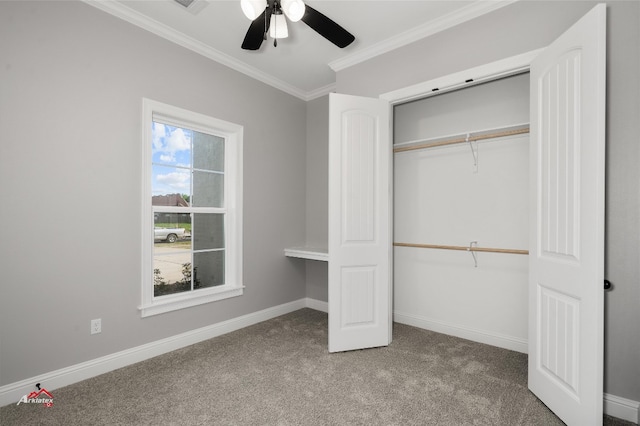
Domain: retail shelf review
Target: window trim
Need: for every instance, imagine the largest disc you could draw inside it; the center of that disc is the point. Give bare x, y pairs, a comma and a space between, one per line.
233, 134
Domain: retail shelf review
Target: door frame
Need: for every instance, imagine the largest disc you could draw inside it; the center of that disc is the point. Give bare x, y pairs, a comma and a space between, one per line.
506, 67
492, 71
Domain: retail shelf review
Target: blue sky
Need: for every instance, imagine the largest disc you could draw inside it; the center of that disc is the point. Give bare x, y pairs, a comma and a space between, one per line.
171, 156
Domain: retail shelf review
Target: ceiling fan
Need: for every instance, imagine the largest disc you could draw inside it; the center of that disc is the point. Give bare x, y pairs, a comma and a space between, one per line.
269, 16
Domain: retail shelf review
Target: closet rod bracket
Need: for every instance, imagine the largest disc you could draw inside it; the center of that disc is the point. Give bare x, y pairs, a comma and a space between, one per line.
473, 144
472, 245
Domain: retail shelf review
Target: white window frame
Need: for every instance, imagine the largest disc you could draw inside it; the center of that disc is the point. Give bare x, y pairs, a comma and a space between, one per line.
233, 135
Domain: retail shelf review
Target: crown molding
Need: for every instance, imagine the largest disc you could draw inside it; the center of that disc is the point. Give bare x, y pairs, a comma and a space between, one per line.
474, 10
320, 92
133, 17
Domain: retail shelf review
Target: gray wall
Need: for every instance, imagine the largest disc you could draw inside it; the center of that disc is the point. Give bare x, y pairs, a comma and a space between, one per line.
317, 194
72, 79
525, 26
317, 172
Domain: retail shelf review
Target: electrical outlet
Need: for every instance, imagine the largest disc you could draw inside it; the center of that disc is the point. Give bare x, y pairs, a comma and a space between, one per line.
96, 326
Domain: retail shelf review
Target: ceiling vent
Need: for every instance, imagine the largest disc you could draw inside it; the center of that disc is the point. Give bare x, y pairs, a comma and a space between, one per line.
193, 6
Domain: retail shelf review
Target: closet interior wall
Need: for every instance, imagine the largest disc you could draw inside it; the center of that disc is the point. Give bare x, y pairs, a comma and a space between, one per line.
451, 195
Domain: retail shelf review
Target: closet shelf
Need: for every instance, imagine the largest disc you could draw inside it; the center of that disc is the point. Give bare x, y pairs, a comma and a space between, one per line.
311, 253
466, 138
462, 248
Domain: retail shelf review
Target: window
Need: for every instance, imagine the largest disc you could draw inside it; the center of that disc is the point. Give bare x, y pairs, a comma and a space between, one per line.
192, 209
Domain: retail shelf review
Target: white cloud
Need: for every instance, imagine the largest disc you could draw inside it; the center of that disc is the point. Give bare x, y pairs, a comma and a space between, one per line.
159, 133
171, 145
177, 141
177, 181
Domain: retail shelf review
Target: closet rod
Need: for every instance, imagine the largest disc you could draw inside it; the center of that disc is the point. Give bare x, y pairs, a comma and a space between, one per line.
462, 248
463, 139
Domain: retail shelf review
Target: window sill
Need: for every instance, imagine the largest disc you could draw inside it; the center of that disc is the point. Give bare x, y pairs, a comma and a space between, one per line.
181, 301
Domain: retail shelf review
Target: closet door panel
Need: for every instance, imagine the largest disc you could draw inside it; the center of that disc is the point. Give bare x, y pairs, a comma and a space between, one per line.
566, 294
359, 223
559, 95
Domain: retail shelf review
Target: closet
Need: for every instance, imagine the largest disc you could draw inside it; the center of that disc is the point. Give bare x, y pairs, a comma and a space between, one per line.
461, 212
542, 193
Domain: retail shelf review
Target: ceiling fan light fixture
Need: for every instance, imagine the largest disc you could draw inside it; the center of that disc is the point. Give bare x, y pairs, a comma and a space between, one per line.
272, 22
278, 27
253, 8
294, 9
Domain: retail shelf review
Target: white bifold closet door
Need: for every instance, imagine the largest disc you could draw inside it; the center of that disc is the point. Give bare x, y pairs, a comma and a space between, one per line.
359, 223
566, 265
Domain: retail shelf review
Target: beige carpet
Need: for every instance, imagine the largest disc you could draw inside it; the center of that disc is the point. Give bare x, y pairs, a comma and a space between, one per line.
280, 373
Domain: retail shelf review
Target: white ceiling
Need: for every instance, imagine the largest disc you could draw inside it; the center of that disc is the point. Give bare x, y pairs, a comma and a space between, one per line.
304, 64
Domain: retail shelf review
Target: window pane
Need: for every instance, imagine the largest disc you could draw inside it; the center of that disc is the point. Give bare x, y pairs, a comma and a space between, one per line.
171, 270
208, 231
171, 145
209, 269
172, 228
208, 152
208, 189
170, 186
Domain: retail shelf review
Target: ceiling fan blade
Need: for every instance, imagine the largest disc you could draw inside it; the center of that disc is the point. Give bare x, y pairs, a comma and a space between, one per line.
255, 34
327, 28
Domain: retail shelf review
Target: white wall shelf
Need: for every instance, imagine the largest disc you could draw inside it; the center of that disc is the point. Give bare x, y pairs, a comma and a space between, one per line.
311, 253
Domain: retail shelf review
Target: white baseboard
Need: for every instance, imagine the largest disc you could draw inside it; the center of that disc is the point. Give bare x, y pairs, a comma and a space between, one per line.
12, 392
318, 305
622, 408
494, 339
